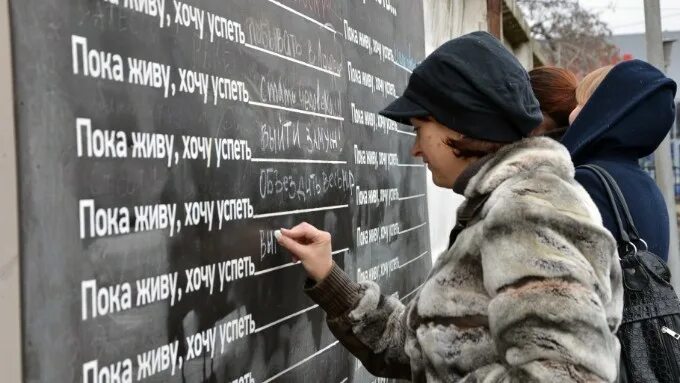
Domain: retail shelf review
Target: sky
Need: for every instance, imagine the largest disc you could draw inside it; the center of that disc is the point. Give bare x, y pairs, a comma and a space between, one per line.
628, 16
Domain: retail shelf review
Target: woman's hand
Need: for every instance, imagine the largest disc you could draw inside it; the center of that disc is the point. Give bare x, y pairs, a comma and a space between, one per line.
309, 245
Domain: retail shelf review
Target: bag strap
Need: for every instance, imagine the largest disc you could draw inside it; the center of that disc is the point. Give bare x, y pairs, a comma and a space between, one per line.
617, 200
622, 200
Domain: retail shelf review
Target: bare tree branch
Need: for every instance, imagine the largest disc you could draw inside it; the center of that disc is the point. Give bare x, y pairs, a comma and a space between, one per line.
570, 34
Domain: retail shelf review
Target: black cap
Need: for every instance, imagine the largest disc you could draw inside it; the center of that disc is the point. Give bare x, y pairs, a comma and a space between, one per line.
474, 85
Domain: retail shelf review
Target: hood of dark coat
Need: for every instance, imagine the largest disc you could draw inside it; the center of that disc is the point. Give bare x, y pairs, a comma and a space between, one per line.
628, 115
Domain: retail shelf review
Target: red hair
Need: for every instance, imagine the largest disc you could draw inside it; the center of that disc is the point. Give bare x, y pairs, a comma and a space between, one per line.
555, 89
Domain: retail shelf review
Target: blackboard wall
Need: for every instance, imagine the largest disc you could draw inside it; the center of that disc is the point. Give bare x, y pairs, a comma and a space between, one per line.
160, 143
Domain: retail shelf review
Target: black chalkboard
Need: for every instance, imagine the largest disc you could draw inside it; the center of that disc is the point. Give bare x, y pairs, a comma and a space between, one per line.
160, 144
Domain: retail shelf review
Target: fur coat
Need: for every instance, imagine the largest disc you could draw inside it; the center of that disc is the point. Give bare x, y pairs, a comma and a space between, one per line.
530, 291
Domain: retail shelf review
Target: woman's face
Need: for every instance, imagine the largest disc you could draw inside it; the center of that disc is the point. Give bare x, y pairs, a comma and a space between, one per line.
440, 158
574, 113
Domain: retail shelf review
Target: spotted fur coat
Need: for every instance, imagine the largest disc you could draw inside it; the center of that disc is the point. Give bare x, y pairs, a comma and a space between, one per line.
530, 291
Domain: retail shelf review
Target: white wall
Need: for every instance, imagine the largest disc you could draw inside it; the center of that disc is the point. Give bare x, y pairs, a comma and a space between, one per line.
441, 206
447, 19
10, 317
444, 20
525, 55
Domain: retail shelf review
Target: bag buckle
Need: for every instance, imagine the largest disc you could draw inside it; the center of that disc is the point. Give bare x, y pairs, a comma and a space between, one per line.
670, 332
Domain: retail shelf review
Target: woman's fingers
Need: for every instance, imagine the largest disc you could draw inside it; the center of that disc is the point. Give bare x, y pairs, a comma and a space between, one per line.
307, 233
301, 231
311, 246
291, 244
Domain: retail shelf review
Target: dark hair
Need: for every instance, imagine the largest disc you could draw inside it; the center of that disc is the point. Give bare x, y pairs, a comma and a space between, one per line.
466, 147
555, 89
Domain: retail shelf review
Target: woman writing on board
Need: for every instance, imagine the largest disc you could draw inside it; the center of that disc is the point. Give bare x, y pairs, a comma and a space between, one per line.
530, 289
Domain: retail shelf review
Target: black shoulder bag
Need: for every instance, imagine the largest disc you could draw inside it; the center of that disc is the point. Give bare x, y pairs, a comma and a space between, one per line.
650, 328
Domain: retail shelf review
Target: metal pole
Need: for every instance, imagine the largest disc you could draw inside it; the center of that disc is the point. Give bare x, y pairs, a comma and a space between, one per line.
662, 157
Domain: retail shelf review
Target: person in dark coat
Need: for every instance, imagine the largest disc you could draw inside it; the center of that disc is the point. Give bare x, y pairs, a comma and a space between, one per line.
630, 112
